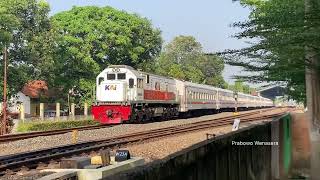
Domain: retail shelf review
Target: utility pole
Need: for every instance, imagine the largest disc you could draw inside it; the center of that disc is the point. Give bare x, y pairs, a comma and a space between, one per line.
4, 110
313, 98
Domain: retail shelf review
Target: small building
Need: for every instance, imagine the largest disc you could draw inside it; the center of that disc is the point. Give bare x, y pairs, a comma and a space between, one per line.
29, 96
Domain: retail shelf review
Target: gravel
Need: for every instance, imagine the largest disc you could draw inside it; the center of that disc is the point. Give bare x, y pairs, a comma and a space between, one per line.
161, 148
26, 175
150, 150
42, 142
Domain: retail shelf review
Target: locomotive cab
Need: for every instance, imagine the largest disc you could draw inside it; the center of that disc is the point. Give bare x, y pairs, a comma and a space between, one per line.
118, 84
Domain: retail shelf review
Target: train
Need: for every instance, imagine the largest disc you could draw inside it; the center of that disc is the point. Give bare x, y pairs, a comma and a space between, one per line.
124, 94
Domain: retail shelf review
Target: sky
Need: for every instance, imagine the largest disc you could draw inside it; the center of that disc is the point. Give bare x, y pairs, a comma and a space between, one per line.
207, 20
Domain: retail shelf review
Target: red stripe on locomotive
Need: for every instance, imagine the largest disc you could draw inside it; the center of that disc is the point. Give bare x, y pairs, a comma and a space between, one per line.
158, 95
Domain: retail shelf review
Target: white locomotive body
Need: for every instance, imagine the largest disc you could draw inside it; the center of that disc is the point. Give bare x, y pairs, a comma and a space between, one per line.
126, 94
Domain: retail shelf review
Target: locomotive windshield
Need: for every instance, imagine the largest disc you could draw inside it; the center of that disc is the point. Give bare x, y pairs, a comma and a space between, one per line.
121, 75
111, 76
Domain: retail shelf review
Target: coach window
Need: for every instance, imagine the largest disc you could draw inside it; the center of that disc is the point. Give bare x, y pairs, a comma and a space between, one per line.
131, 82
111, 76
148, 79
121, 76
100, 80
157, 86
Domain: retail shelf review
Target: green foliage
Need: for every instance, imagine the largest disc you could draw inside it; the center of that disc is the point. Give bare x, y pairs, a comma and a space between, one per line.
24, 26
281, 31
91, 38
238, 86
8, 23
184, 59
52, 125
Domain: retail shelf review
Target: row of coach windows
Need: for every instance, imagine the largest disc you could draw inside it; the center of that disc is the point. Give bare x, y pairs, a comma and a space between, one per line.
198, 95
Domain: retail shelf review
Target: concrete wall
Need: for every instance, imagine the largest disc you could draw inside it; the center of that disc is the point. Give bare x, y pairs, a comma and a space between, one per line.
301, 145
218, 159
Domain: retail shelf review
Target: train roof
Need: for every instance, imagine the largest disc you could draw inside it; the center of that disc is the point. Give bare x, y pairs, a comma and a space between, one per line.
186, 82
121, 66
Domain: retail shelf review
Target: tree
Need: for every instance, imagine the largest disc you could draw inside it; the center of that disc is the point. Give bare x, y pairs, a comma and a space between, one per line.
91, 38
238, 86
212, 68
286, 52
21, 24
279, 30
184, 59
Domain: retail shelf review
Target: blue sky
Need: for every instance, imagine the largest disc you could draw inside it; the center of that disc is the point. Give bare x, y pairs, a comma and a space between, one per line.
207, 20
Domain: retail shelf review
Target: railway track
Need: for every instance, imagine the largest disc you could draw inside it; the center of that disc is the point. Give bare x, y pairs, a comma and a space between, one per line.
19, 136
33, 158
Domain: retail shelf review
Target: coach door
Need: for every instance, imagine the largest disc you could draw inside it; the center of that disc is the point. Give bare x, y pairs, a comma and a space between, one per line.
131, 89
140, 85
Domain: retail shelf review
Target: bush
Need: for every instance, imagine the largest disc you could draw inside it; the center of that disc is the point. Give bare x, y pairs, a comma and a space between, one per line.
53, 125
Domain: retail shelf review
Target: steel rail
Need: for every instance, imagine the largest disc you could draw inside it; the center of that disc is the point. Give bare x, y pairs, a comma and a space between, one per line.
19, 136
31, 159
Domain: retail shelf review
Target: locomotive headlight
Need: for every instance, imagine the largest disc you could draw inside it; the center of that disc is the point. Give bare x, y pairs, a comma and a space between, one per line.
117, 70
113, 69
109, 113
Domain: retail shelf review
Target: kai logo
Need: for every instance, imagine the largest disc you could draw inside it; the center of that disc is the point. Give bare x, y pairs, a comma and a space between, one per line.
111, 87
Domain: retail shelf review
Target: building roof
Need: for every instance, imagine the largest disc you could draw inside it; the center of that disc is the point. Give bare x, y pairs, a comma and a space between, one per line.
272, 92
271, 87
35, 89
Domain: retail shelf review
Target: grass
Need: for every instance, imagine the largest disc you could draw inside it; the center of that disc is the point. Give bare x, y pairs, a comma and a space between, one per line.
53, 125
